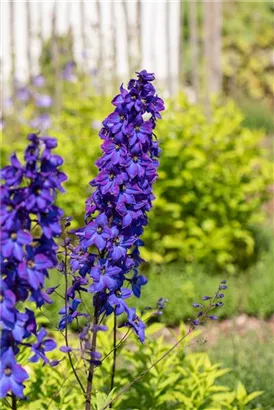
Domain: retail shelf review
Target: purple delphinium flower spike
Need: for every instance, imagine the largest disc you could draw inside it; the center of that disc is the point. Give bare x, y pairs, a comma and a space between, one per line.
28, 195
116, 212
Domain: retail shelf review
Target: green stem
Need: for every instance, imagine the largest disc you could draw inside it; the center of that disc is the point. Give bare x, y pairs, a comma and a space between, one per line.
114, 354
13, 402
92, 365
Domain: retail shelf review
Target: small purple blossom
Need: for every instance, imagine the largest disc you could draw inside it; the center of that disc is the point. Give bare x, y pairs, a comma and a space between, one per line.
12, 375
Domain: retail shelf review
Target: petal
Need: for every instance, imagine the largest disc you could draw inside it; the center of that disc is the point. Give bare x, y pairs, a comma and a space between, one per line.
24, 237
99, 242
19, 373
17, 389
18, 251
49, 345
5, 386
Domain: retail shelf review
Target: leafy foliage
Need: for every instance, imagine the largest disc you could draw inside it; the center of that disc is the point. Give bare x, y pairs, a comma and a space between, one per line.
213, 181
191, 380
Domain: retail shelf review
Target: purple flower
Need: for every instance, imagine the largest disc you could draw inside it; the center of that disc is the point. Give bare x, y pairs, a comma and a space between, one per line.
41, 346
43, 101
7, 302
97, 232
116, 212
104, 276
34, 268
12, 375
116, 300
137, 282
13, 173
42, 122
39, 80
28, 194
13, 242
68, 72
23, 94
109, 182
136, 324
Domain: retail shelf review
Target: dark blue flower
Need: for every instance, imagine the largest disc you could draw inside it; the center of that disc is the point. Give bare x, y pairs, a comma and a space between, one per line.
69, 314
137, 281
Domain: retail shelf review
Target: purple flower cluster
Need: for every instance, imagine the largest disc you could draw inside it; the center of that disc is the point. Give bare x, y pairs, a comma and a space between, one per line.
116, 212
29, 223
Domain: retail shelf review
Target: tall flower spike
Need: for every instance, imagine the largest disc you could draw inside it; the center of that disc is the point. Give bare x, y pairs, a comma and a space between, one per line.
116, 212
27, 252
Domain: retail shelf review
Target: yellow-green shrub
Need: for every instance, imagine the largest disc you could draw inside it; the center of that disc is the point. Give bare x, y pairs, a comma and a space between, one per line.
213, 179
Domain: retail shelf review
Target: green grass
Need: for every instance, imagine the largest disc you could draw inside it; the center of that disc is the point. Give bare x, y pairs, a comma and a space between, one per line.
249, 292
258, 115
252, 359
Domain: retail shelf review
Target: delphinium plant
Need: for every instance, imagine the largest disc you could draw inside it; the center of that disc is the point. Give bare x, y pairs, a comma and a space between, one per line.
30, 222
98, 262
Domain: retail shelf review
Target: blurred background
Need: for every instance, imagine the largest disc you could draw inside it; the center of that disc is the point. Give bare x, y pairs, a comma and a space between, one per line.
62, 63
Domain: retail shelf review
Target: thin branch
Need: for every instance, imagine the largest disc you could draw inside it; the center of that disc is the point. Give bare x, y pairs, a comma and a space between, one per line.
92, 364
13, 402
66, 328
114, 353
142, 374
136, 379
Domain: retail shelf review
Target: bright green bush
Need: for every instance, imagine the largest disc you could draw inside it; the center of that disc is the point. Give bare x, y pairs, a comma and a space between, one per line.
212, 182
189, 382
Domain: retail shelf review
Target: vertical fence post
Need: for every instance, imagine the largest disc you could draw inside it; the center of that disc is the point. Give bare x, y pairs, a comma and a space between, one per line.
83, 33
216, 48
114, 60
12, 48
139, 34
194, 46
168, 54
181, 43
100, 67
56, 61
212, 49
29, 40
128, 36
